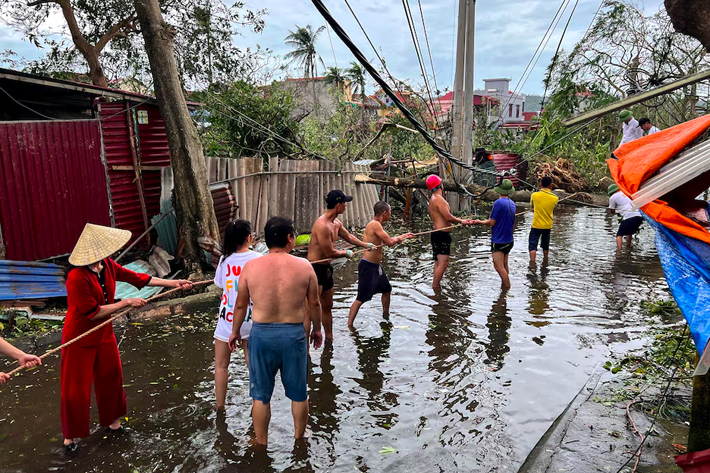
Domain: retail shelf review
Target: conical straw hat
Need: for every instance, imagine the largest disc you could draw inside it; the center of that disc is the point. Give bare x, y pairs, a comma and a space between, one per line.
97, 242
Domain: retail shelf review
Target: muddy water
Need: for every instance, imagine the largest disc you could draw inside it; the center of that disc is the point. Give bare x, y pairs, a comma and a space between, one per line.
467, 380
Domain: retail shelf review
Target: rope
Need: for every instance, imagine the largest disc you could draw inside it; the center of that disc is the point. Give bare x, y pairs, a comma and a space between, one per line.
364, 250
106, 322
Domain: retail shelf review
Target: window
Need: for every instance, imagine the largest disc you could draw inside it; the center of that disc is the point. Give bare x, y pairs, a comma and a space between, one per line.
143, 117
510, 110
517, 111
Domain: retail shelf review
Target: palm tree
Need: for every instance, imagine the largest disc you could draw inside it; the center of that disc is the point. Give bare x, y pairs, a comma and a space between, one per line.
357, 75
336, 77
304, 53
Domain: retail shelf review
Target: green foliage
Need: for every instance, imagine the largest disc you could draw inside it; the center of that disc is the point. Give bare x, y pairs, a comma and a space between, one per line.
227, 132
203, 43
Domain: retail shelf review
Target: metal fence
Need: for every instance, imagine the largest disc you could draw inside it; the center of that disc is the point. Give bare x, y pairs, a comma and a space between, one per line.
293, 189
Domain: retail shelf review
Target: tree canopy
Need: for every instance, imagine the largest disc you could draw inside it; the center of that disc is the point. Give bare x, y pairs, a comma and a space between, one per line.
101, 36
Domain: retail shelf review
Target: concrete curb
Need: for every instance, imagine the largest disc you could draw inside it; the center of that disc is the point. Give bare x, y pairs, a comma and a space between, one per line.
541, 455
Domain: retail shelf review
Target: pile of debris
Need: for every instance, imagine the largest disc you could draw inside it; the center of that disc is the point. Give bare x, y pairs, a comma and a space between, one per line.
563, 175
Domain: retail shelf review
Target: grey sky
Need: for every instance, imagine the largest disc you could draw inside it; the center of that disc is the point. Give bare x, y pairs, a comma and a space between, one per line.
507, 34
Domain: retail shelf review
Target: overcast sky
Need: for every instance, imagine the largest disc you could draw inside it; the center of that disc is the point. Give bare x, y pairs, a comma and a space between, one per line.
507, 34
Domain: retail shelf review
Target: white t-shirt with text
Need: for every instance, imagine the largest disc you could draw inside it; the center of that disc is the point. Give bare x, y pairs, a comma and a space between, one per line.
227, 278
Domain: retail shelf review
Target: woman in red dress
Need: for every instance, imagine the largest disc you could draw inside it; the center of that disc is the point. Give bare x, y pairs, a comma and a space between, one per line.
91, 286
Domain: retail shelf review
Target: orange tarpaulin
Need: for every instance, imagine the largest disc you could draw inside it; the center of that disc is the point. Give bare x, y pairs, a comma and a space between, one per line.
642, 158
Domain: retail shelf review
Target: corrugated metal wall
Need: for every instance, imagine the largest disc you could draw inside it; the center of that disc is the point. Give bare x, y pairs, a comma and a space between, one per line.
152, 152
292, 188
53, 182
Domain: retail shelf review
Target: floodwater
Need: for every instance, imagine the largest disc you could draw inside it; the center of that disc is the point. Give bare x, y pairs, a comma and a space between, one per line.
467, 380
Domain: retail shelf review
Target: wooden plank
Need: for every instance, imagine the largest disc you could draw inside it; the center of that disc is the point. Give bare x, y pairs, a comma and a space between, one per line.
274, 188
209, 161
243, 190
306, 202
232, 170
221, 169
136, 165
141, 168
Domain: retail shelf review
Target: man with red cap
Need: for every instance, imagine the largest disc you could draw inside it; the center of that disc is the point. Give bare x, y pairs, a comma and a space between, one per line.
441, 218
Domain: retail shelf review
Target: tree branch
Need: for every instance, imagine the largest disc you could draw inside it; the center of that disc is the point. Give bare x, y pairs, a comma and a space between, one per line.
117, 30
40, 2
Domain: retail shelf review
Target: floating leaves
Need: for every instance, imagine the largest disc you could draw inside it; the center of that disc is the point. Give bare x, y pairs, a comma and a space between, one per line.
388, 450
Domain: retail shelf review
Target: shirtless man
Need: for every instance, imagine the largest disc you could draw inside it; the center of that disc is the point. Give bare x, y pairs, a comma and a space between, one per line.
371, 276
278, 284
326, 229
441, 217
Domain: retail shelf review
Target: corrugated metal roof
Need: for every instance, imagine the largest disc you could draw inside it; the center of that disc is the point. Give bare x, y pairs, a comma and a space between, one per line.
24, 280
127, 291
52, 182
225, 205
167, 229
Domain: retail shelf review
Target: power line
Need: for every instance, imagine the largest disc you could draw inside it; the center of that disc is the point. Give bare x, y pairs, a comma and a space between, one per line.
331, 46
420, 56
542, 40
557, 52
258, 126
426, 38
66, 120
388, 90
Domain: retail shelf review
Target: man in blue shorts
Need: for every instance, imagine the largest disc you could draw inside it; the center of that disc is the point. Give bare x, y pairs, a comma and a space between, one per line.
631, 219
278, 284
502, 220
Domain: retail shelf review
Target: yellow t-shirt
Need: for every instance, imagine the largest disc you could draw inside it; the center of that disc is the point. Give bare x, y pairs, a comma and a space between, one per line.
544, 203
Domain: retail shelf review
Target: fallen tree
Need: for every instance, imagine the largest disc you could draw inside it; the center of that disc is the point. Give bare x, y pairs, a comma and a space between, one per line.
481, 192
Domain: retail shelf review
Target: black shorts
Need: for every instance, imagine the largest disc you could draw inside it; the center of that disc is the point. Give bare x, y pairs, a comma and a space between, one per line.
535, 235
629, 226
371, 280
324, 274
502, 247
441, 243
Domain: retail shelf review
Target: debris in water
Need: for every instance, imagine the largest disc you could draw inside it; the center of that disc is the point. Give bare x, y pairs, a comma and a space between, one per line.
388, 450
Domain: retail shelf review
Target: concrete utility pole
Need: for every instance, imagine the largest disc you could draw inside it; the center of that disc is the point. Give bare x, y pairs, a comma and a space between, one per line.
462, 136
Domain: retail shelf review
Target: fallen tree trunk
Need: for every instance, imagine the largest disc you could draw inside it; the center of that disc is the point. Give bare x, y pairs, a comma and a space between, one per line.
482, 192
449, 186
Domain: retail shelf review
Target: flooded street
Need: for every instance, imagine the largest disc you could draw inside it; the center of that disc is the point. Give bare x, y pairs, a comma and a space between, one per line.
467, 380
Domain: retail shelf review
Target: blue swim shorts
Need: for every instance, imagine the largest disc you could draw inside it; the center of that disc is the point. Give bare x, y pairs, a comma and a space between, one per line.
273, 348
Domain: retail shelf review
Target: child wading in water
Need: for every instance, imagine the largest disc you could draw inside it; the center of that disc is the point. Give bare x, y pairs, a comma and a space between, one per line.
237, 240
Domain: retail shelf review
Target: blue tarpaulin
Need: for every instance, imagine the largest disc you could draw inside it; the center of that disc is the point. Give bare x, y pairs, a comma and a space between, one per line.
686, 264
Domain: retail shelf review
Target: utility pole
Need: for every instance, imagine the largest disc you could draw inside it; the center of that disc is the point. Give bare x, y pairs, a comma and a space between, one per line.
462, 136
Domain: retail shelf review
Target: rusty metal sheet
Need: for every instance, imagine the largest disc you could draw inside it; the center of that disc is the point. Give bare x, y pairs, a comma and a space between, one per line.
30, 280
53, 183
225, 205
506, 161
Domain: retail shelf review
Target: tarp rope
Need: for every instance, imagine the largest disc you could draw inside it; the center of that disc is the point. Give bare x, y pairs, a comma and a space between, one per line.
108, 321
390, 93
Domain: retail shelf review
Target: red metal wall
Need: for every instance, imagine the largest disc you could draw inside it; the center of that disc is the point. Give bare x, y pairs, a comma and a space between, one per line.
506, 162
152, 150
53, 183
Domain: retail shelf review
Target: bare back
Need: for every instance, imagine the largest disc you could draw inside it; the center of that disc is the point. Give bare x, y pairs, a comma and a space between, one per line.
278, 284
370, 236
324, 234
440, 212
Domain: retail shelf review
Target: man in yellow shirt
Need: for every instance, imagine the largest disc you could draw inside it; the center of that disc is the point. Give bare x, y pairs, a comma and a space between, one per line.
543, 202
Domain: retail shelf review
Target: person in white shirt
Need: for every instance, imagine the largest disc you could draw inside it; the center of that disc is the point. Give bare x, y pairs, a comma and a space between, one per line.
629, 126
645, 125
238, 238
631, 219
